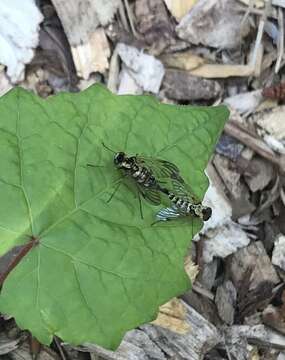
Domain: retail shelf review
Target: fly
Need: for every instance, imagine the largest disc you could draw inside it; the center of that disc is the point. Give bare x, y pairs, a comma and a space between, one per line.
183, 203
146, 172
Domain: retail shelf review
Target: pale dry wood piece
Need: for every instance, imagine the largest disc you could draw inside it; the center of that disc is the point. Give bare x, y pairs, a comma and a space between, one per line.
256, 3
252, 257
207, 275
146, 70
128, 85
274, 317
131, 18
179, 8
113, 77
136, 346
280, 3
123, 17
273, 122
199, 289
259, 173
198, 66
80, 18
259, 334
224, 241
92, 55
186, 60
245, 102
19, 36
172, 316
223, 71
258, 43
229, 175
239, 132
213, 23
280, 44
281, 356
191, 269
202, 337
180, 85
278, 256
8, 345
155, 342
226, 296
154, 25
5, 84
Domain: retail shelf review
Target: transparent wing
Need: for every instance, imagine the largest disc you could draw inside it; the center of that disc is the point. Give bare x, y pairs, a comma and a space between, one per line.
160, 168
168, 213
181, 189
151, 195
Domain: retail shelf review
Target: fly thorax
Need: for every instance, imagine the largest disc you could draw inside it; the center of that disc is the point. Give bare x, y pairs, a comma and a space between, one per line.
126, 165
137, 173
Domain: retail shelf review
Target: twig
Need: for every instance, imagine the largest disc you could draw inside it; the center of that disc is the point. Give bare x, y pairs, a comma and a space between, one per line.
131, 18
58, 345
260, 32
239, 132
202, 291
280, 44
123, 16
113, 72
246, 15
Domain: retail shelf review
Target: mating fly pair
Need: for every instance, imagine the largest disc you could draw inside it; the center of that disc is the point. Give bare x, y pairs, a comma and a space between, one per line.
148, 175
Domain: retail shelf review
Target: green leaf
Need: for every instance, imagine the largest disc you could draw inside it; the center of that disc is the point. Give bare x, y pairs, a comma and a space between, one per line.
98, 268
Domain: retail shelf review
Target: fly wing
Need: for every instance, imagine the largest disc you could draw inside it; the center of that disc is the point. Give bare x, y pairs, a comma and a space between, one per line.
149, 194
160, 168
181, 189
168, 213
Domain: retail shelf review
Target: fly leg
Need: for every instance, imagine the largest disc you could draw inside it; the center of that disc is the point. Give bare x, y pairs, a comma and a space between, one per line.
116, 187
140, 203
114, 191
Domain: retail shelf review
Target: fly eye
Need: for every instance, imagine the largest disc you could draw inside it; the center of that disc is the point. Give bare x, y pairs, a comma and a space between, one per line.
207, 213
119, 158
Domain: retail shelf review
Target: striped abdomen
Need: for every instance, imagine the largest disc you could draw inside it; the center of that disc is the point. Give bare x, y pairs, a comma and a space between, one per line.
186, 207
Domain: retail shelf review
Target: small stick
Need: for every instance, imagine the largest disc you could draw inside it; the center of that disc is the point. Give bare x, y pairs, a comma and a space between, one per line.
280, 45
131, 16
244, 136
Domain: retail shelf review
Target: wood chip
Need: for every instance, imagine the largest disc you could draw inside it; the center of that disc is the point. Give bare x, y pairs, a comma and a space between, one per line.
259, 334
224, 241
180, 85
214, 23
273, 122
279, 3
172, 316
225, 300
155, 342
245, 102
252, 257
259, 173
278, 256
80, 18
154, 25
5, 84
92, 55
145, 69
182, 60
179, 8
128, 85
